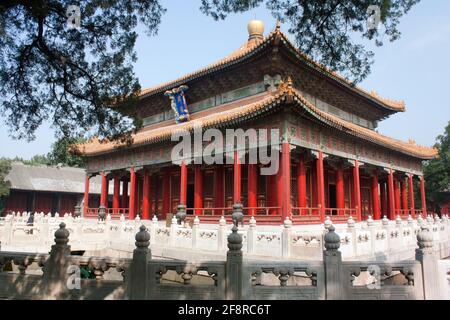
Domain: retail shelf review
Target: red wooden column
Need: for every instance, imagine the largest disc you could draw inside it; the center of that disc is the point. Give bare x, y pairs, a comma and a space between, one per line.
285, 180
166, 194
86, 194
183, 183
391, 214
397, 196
320, 186
411, 195
357, 190
132, 202
237, 178
116, 194
252, 192
198, 189
404, 195
104, 194
340, 189
375, 197
218, 189
301, 182
125, 193
146, 196
383, 195
423, 196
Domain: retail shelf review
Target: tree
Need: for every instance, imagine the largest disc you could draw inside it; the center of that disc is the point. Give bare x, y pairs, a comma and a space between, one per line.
60, 154
437, 171
5, 166
80, 74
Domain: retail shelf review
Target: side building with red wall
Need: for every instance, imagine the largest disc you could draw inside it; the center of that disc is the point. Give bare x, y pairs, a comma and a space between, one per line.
47, 189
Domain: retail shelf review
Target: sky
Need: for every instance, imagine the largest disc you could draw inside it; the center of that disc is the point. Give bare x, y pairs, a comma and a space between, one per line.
415, 68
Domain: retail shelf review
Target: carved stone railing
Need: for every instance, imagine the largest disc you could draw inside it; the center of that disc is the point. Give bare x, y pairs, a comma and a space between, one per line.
359, 240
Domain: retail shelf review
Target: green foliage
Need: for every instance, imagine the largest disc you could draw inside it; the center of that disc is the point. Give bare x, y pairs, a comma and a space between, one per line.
60, 153
437, 171
82, 79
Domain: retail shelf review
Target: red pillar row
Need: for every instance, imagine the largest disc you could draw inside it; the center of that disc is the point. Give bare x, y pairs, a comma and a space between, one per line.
198, 189
183, 183
132, 202
404, 195
411, 195
423, 196
237, 178
286, 180
116, 194
125, 193
391, 214
397, 195
376, 197
166, 194
104, 191
383, 196
357, 190
340, 191
301, 182
218, 189
146, 195
86, 194
252, 192
320, 186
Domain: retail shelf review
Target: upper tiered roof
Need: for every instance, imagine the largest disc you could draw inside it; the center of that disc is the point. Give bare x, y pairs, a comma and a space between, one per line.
255, 45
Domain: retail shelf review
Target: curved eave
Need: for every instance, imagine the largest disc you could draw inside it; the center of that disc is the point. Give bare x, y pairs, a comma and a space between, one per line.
256, 109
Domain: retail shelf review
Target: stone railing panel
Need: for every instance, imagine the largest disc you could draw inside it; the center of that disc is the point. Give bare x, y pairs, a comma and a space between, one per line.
264, 280
378, 281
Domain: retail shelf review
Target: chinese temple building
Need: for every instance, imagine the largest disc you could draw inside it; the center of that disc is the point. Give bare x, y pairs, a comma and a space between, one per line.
48, 189
332, 161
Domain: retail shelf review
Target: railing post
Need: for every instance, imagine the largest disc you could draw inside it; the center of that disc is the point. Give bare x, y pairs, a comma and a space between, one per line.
195, 232
285, 237
385, 225
372, 235
173, 231
251, 236
137, 277
426, 255
332, 259
55, 276
351, 229
153, 230
222, 234
233, 266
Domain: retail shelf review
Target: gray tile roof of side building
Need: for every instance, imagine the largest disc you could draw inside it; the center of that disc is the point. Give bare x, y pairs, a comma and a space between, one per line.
51, 179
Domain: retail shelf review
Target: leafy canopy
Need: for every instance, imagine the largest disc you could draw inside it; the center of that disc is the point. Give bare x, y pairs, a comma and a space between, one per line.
82, 79
437, 171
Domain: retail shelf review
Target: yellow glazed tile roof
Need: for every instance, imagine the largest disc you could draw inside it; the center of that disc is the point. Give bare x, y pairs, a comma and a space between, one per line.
251, 47
248, 108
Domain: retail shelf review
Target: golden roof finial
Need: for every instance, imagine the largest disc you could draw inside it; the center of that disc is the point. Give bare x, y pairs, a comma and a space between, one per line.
255, 30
